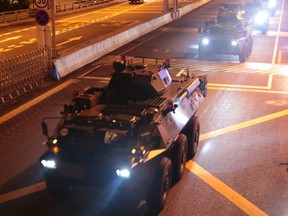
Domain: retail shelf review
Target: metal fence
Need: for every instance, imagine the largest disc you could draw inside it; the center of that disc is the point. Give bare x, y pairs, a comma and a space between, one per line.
23, 73
60, 9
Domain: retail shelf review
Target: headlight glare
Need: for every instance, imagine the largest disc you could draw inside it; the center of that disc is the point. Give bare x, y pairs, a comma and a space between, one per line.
272, 4
234, 43
205, 41
261, 17
51, 164
124, 173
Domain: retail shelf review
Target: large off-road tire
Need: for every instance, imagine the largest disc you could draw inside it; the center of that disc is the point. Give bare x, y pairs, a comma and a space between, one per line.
201, 54
264, 30
192, 132
250, 44
57, 186
243, 54
160, 187
179, 157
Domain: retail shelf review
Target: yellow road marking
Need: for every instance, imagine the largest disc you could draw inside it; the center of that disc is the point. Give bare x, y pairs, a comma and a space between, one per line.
279, 57
247, 90
11, 38
238, 86
224, 189
243, 125
35, 101
269, 84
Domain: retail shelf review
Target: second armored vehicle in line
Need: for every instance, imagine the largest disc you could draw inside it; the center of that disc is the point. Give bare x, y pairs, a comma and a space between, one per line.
229, 34
225, 40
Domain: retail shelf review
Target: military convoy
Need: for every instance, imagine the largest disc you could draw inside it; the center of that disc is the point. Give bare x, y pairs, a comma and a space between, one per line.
132, 136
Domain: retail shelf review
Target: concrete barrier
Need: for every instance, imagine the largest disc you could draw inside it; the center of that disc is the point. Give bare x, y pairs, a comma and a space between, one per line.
70, 62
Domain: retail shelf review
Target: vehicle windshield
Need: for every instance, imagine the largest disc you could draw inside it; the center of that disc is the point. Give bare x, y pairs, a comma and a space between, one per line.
89, 136
221, 30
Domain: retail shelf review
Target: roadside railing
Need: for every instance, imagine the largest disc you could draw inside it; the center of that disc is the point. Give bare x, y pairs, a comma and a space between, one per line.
11, 16
23, 73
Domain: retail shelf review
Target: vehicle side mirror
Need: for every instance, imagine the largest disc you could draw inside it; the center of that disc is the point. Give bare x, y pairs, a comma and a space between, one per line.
44, 128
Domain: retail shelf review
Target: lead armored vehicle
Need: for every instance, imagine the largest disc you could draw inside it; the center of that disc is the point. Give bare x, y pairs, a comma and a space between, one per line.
229, 34
133, 136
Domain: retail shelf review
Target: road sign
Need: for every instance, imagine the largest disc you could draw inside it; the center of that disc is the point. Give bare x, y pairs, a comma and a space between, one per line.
41, 3
42, 17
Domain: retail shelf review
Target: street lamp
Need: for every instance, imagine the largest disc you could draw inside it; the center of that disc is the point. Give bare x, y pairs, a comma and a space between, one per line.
54, 52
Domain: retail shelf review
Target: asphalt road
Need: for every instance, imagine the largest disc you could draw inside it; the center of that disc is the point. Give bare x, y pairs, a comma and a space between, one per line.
241, 164
77, 30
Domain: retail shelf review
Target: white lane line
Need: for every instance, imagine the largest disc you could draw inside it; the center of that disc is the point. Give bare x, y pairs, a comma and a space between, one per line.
277, 36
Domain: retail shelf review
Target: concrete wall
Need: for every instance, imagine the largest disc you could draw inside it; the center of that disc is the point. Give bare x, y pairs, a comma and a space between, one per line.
70, 62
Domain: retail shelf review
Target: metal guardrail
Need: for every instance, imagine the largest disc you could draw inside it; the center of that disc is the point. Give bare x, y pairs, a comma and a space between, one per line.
23, 73
26, 72
142, 60
11, 16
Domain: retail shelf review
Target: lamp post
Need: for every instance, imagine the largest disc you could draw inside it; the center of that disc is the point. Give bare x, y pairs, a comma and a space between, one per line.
54, 52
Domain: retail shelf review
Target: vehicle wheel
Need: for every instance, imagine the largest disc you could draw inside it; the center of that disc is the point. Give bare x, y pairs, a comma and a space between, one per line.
243, 54
56, 186
201, 53
264, 29
250, 44
192, 131
200, 56
160, 187
180, 158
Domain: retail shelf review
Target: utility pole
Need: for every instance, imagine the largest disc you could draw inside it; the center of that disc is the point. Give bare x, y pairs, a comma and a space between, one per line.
54, 52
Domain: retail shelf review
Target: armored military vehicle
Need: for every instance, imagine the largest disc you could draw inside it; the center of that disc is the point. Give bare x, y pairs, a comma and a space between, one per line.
136, 1
134, 135
271, 6
228, 34
259, 15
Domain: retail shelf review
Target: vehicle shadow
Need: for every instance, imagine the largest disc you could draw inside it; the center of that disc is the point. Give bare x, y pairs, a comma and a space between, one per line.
89, 201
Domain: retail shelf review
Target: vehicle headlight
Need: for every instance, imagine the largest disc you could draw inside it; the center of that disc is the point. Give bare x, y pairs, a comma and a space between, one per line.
205, 41
124, 173
272, 4
234, 43
261, 17
51, 164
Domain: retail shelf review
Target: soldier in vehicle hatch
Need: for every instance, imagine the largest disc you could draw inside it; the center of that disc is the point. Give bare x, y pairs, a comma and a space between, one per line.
119, 66
226, 17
